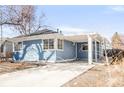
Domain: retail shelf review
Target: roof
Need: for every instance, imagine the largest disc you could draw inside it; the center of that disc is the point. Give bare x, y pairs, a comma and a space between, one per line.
73, 38
39, 32
84, 37
36, 37
44, 31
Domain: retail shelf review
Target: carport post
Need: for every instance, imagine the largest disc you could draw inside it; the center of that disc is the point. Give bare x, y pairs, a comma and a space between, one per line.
13, 47
96, 51
90, 53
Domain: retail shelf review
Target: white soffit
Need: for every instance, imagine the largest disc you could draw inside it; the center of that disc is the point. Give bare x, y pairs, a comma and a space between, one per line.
76, 38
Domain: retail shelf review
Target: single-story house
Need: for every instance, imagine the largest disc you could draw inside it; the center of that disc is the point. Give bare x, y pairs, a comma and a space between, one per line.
52, 46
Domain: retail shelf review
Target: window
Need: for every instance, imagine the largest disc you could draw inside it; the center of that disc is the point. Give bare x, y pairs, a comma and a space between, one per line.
51, 44
48, 44
17, 46
84, 46
60, 44
45, 44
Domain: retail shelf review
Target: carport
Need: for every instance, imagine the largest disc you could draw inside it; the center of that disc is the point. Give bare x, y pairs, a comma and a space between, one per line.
92, 40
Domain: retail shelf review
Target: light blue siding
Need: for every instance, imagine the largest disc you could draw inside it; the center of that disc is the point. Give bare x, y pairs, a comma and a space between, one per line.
49, 55
83, 55
68, 52
33, 51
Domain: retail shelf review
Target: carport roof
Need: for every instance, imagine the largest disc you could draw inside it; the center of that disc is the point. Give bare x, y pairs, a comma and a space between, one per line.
84, 37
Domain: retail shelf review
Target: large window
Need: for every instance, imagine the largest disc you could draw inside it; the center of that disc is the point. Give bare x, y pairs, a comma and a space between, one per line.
84, 47
48, 44
17, 46
60, 44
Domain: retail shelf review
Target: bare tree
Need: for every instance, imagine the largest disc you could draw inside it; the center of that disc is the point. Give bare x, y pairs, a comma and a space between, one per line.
21, 18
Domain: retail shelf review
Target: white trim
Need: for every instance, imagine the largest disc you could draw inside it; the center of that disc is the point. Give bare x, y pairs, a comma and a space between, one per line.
48, 45
96, 51
12, 46
56, 43
37, 37
73, 38
49, 61
90, 52
62, 45
20, 48
66, 60
82, 45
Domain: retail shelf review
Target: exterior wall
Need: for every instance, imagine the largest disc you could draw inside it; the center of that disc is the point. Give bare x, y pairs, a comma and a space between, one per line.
69, 51
83, 55
8, 47
33, 51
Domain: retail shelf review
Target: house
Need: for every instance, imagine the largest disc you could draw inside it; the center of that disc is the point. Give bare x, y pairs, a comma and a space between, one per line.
118, 41
53, 46
2, 48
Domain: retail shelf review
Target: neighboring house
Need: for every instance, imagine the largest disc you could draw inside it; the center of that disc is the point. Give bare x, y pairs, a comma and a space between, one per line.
52, 46
2, 43
118, 41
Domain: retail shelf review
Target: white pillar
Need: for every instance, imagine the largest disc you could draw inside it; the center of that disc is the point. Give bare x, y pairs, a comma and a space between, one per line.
95, 51
56, 43
101, 50
90, 53
13, 47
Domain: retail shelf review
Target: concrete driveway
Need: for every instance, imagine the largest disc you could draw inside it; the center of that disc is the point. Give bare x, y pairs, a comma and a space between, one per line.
52, 75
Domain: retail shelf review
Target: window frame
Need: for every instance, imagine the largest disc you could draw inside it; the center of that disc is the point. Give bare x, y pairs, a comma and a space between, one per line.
53, 45
48, 44
82, 45
44, 44
61, 44
18, 46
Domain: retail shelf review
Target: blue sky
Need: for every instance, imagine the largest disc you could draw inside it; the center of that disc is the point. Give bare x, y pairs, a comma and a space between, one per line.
75, 19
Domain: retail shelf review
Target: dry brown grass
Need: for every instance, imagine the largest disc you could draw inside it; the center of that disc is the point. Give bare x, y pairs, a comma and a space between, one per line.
100, 76
6, 67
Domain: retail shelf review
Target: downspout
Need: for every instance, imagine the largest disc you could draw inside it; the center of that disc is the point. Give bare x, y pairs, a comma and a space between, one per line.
96, 51
76, 50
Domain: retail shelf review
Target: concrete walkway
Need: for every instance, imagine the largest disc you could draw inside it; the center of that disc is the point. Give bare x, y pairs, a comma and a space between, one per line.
52, 75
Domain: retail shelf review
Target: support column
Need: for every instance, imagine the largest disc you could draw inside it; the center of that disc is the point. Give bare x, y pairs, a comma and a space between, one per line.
56, 43
90, 52
96, 51
101, 50
12, 46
